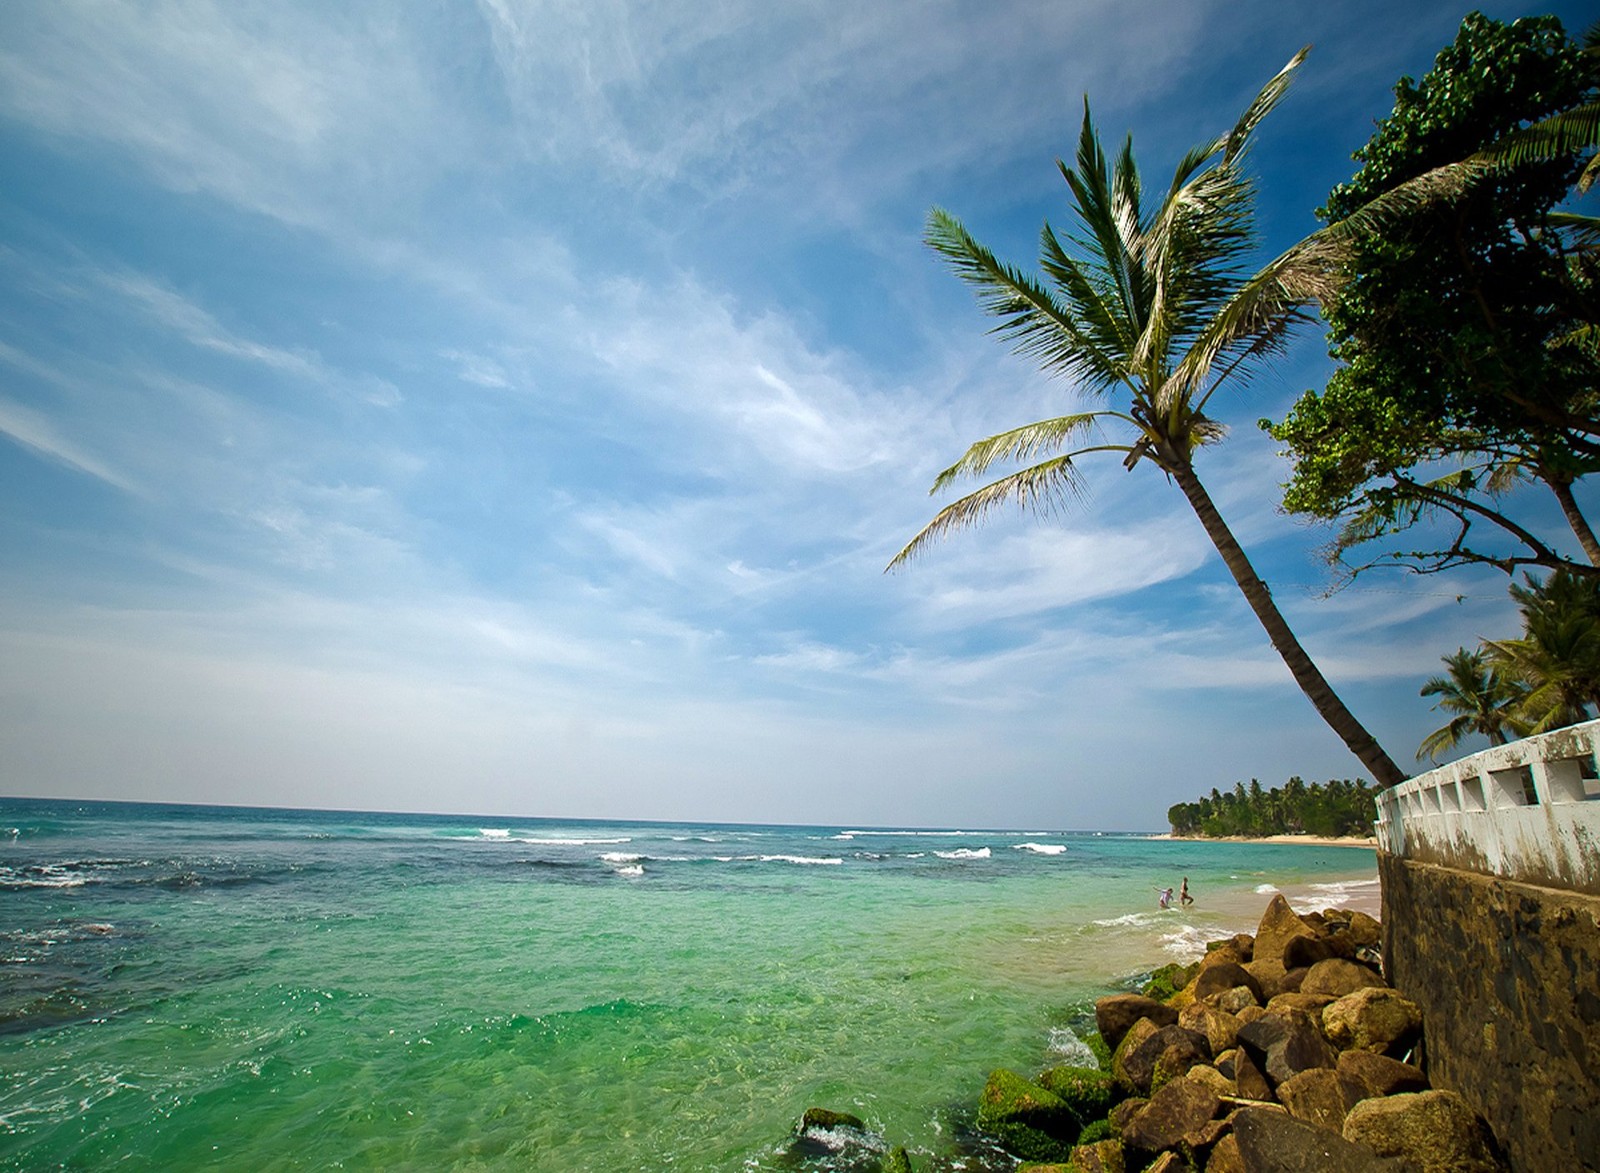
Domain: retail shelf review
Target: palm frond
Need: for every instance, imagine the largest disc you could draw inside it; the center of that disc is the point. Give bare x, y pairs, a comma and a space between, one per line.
1269, 96
1025, 443
1567, 133
1041, 487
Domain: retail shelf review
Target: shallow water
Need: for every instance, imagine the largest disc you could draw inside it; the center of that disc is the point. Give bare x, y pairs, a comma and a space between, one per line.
245, 989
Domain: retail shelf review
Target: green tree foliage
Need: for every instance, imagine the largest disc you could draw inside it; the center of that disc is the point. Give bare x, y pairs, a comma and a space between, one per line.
1146, 304
1336, 807
1465, 326
1485, 699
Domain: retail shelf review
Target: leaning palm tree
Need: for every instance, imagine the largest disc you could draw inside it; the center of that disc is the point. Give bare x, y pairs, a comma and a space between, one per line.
1151, 304
1483, 697
1558, 656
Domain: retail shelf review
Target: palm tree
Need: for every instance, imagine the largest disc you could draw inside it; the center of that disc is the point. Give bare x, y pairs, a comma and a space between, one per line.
1152, 304
1558, 656
1482, 696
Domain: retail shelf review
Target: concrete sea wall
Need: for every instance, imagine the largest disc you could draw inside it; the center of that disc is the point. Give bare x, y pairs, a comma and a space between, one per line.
1508, 978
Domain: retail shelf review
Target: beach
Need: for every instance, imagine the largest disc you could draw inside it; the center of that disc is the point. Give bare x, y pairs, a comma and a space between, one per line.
1368, 841
255, 989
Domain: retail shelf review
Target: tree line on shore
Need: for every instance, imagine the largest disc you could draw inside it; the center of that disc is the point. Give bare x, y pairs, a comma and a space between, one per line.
1333, 808
1462, 303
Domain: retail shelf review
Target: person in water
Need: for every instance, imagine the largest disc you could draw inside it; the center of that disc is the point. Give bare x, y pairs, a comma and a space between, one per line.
1166, 897
1183, 897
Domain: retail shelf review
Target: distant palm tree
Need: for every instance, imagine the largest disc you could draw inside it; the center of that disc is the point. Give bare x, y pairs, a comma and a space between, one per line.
1482, 696
1152, 304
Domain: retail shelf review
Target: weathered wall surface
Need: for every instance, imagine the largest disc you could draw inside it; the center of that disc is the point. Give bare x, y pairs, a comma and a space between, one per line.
1508, 976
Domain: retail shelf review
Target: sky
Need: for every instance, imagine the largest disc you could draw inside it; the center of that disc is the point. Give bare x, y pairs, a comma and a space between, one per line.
510, 407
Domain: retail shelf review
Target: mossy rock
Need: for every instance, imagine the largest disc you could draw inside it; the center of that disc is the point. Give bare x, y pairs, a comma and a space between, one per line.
825, 1118
1168, 980
1030, 1144
1097, 1046
1089, 1092
1008, 1098
1097, 1131
897, 1161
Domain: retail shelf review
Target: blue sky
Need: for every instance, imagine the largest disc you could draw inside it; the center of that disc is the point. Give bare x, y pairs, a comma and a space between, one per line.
511, 407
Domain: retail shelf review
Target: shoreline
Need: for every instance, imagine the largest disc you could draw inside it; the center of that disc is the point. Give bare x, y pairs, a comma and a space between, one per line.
1367, 841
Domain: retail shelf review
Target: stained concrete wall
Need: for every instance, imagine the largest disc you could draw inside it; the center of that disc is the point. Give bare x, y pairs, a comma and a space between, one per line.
1508, 977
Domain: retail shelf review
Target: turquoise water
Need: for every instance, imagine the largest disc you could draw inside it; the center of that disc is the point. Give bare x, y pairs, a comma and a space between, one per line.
215, 988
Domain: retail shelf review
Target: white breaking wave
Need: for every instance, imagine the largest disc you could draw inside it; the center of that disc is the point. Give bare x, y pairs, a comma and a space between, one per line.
964, 853
811, 860
1132, 918
1265, 889
929, 834
1187, 944
1040, 848
631, 870
1065, 1042
575, 842
494, 832
620, 857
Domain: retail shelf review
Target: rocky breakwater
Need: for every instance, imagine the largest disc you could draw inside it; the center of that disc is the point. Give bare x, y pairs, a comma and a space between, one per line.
1280, 1052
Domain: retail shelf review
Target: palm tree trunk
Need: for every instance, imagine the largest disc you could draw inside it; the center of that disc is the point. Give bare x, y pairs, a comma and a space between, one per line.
1306, 674
1576, 519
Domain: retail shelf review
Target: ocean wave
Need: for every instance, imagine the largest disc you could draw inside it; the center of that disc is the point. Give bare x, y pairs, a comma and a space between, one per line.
621, 857
41, 876
1040, 848
494, 832
1064, 1041
928, 834
1131, 918
964, 853
808, 860
558, 842
1266, 889
1188, 943
1345, 885
633, 869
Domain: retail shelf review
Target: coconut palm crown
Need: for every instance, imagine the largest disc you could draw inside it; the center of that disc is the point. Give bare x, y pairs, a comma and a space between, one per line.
1149, 306
1483, 698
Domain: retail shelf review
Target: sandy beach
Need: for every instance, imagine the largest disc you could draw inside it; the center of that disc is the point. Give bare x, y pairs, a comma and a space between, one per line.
1303, 840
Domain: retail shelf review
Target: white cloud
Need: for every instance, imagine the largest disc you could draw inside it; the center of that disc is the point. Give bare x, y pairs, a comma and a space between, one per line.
37, 432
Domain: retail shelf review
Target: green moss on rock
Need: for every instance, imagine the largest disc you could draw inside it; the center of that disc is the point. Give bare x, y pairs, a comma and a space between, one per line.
1096, 1131
827, 1119
1168, 980
897, 1161
1030, 1144
1097, 1046
1028, 1119
1088, 1092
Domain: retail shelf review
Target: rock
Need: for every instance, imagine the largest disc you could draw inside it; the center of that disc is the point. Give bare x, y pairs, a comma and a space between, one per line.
1305, 951
1251, 1014
1213, 1079
1135, 1067
1272, 978
1087, 1092
1197, 1145
1237, 949
1167, 1163
1339, 977
1279, 925
1180, 1107
1366, 932
1176, 1062
1168, 980
1249, 1078
1116, 1015
1029, 1120
1225, 1156
1272, 1142
1103, 1157
1321, 1097
1381, 1075
1434, 1131
828, 1120
898, 1161
1375, 1019
1234, 1001
1311, 1004
1137, 1035
1224, 1062
1124, 1112
1222, 977
1220, 1028
1097, 1131
1285, 1043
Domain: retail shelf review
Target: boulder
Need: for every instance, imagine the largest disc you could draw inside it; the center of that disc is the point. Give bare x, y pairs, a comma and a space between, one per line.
1168, 980
1220, 1028
1279, 925
1299, 952
1116, 1015
1251, 1013
1135, 1065
1375, 1019
827, 1120
1321, 1097
1285, 1043
1366, 932
1087, 1092
1233, 1001
1196, 1146
1224, 1062
1177, 1060
897, 1161
1273, 978
1434, 1132
1102, 1157
1167, 1163
1225, 1156
1237, 949
1180, 1107
1381, 1075
1222, 977
1339, 977
1213, 1079
1273, 1142
1311, 1004
1029, 1120
1249, 1078
1124, 1112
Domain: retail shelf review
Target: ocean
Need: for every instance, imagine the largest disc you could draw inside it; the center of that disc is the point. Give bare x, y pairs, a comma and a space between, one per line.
227, 988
